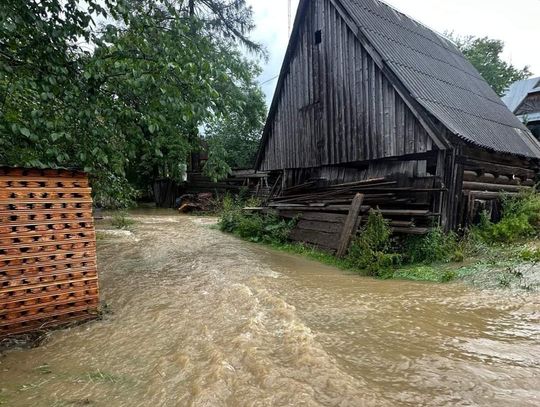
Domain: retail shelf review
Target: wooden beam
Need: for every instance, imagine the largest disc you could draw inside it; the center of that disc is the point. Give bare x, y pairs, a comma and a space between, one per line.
496, 167
350, 225
482, 186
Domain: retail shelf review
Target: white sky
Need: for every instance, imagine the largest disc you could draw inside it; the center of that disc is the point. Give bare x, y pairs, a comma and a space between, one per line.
515, 22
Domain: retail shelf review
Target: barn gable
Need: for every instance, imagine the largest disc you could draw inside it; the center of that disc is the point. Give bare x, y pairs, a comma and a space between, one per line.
334, 104
378, 84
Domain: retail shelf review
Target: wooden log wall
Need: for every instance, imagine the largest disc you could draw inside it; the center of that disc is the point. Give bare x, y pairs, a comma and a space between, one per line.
486, 177
485, 182
48, 271
335, 105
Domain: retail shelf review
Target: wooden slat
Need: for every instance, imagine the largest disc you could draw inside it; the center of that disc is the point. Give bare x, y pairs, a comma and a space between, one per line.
319, 226
322, 239
483, 186
315, 216
350, 225
411, 230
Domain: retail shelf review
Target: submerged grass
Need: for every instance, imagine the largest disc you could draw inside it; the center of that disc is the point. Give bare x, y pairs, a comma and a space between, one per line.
121, 220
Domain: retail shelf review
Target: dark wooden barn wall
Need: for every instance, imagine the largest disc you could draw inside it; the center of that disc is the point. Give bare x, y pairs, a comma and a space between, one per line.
530, 105
335, 105
343, 174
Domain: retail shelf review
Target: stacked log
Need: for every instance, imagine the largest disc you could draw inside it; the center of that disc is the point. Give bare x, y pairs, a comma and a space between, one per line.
484, 183
47, 250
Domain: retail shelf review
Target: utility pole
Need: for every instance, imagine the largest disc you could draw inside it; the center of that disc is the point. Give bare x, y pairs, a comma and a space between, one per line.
289, 16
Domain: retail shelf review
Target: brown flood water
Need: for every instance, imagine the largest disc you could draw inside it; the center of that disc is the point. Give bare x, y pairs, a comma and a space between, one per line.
200, 318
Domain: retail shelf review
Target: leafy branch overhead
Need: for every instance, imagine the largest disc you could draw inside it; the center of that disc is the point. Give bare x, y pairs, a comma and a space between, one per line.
120, 88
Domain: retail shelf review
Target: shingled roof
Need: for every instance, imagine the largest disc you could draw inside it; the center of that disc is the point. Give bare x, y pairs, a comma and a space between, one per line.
438, 77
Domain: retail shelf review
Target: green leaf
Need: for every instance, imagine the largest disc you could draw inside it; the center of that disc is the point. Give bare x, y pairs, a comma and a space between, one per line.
56, 136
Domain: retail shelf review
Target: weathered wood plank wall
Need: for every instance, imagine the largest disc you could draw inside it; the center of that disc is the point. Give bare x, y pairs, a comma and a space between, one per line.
530, 105
336, 105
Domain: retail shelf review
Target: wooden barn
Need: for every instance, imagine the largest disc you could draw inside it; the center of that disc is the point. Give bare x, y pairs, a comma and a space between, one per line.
523, 99
369, 100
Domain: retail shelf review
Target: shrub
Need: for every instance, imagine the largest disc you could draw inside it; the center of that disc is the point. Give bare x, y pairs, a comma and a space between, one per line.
436, 246
520, 218
253, 226
370, 250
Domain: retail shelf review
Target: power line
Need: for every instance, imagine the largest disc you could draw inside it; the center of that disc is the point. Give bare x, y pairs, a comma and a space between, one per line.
269, 80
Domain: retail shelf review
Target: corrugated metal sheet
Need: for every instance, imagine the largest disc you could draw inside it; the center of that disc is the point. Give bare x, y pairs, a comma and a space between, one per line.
441, 79
531, 117
518, 91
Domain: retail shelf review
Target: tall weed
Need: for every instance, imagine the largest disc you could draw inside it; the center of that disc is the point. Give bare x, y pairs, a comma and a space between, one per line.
520, 219
435, 247
253, 226
370, 250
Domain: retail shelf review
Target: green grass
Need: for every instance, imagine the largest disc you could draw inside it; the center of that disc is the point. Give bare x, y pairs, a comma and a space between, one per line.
121, 220
100, 377
44, 369
436, 257
433, 273
312, 254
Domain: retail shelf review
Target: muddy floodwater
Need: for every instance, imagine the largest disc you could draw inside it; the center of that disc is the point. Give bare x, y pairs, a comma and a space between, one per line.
199, 318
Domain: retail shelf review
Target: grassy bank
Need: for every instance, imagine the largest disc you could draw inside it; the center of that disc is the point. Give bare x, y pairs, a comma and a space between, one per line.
494, 255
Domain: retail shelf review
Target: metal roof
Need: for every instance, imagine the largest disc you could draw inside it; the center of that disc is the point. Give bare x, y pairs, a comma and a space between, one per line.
441, 79
518, 91
530, 117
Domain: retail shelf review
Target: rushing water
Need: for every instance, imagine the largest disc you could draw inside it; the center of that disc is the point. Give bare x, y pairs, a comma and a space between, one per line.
199, 318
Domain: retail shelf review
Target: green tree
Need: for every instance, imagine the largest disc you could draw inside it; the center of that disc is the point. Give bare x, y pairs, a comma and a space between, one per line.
127, 98
237, 133
485, 54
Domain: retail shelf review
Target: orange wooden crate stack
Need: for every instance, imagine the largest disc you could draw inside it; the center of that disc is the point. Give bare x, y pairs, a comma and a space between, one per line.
48, 273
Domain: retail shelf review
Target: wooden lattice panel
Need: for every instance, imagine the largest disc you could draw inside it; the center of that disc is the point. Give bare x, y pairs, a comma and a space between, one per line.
48, 271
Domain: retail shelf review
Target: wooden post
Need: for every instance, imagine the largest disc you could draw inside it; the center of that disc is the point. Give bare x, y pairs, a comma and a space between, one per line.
350, 225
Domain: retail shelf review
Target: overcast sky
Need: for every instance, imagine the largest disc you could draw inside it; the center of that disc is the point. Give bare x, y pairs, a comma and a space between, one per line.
516, 22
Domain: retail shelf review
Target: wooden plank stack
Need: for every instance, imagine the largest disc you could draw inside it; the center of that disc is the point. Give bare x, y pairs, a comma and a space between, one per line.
48, 271
322, 210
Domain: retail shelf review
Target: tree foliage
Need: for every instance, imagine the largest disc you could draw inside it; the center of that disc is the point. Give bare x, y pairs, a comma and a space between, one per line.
486, 56
124, 98
238, 133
